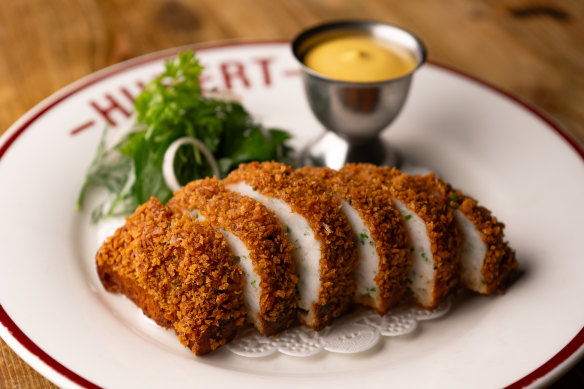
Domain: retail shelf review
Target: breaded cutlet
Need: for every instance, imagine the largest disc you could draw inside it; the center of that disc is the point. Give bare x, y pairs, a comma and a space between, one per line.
324, 250
179, 272
269, 291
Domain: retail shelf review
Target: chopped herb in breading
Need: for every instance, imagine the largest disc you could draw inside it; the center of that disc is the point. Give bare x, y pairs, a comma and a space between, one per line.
362, 237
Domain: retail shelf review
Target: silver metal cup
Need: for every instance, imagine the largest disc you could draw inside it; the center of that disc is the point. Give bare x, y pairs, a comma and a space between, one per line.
354, 113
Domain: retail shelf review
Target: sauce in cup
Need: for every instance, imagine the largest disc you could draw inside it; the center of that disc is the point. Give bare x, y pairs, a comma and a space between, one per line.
360, 58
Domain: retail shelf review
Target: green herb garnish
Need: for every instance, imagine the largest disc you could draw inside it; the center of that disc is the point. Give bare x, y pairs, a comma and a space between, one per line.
362, 237
171, 107
408, 217
114, 172
424, 256
296, 245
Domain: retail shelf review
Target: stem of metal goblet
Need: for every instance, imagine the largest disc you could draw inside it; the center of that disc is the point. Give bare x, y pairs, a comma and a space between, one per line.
334, 152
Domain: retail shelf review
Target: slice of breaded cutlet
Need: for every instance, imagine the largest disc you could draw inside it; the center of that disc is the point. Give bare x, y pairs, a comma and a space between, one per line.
258, 241
380, 234
179, 272
487, 262
435, 239
324, 250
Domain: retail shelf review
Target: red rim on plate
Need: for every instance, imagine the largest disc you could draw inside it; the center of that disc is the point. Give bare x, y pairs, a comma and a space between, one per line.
542, 371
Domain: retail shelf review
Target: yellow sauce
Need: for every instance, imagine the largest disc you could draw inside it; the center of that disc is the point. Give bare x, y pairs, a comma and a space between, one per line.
359, 59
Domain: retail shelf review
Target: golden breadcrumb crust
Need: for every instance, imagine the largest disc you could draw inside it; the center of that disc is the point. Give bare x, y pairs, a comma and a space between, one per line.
263, 235
387, 229
323, 213
500, 262
184, 267
445, 238
108, 259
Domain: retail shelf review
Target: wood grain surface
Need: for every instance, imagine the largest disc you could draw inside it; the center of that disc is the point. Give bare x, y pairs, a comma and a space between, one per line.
533, 49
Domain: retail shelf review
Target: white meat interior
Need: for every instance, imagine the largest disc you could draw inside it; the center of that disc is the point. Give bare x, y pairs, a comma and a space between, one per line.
306, 250
421, 275
367, 251
251, 289
472, 255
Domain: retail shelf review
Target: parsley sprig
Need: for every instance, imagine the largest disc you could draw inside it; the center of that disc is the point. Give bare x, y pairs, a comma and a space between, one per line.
170, 107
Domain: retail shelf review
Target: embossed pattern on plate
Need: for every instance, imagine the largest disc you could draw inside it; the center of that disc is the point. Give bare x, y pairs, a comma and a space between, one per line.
349, 335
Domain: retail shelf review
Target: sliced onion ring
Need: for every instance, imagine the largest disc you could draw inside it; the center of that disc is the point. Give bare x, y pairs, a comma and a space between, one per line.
168, 161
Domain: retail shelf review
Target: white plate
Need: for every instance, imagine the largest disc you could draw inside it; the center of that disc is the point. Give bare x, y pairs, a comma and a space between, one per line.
56, 315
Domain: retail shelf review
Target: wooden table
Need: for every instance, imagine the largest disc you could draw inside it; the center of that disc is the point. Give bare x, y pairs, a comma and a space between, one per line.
533, 49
